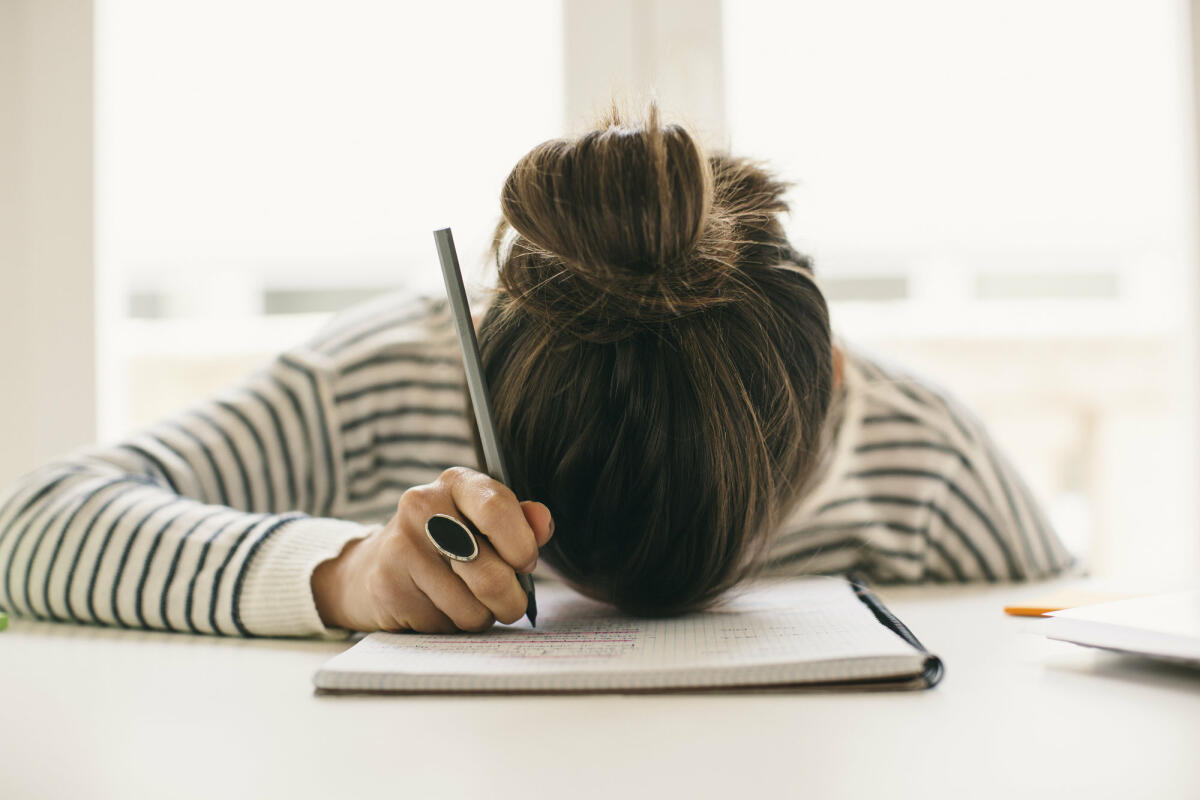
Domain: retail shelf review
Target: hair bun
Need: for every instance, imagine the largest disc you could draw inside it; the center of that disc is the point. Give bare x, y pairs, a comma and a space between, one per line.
610, 229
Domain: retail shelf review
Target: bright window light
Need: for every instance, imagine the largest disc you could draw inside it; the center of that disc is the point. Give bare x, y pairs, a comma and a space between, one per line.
999, 195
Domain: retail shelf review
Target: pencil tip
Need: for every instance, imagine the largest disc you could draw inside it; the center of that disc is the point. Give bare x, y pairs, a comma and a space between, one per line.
531, 610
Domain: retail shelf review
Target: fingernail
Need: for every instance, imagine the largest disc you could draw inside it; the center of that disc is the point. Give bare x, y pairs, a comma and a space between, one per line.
530, 567
551, 524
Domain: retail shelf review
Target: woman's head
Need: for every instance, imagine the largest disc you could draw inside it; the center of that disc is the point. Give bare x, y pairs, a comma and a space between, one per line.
659, 360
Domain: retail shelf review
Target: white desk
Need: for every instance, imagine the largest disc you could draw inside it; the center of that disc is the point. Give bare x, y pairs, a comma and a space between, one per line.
96, 713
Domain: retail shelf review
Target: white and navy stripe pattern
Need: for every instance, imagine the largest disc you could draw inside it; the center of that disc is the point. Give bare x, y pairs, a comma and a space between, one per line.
213, 520
400, 401
915, 490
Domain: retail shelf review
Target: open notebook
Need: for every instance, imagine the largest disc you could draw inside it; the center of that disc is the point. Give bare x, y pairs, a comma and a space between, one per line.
805, 631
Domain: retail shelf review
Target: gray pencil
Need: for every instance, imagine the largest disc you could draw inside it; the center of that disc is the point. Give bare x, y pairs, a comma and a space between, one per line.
476, 383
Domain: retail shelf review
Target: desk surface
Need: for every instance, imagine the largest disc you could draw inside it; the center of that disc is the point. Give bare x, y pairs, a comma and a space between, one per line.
90, 712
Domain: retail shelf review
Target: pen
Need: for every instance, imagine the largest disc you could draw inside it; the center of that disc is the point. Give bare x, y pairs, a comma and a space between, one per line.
476, 384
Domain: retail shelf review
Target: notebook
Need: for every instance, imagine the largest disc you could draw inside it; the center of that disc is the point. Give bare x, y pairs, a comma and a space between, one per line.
812, 631
1165, 626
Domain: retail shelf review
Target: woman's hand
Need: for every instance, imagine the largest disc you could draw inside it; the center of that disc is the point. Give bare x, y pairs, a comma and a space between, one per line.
394, 580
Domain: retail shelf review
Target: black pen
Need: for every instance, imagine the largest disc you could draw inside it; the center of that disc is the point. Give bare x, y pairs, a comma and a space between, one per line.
476, 383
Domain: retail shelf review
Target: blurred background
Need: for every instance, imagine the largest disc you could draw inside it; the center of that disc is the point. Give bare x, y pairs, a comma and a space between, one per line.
998, 195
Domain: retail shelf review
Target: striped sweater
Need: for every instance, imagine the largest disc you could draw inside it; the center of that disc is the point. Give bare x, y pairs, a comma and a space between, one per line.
212, 521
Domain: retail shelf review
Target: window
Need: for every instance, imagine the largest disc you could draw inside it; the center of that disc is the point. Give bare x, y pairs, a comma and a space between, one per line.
997, 194
263, 164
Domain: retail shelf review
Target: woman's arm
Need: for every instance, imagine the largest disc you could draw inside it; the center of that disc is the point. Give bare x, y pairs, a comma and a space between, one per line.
217, 519
210, 521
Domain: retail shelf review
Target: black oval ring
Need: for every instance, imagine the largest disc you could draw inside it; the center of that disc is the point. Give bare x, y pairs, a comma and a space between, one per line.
452, 538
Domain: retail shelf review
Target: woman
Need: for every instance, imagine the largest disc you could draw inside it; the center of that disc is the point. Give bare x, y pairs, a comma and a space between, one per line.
664, 380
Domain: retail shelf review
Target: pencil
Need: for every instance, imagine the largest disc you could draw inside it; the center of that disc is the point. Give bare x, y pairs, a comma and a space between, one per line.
476, 384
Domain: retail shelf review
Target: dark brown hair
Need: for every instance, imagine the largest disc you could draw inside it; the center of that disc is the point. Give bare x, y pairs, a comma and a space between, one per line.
659, 360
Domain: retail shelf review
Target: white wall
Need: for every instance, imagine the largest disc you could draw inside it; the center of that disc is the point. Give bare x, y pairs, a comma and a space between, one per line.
629, 49
47, 339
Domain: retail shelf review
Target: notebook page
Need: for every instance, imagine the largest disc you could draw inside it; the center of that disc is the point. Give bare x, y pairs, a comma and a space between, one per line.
797, 621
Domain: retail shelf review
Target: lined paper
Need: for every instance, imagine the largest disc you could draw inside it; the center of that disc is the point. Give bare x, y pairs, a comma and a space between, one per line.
806, 629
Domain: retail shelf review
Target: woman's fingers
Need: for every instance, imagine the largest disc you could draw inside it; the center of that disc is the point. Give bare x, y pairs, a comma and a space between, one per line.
494, 510
468, 592
494, 583
423, 618
401, 604
394, 579
474, 594
451, 595
539, 519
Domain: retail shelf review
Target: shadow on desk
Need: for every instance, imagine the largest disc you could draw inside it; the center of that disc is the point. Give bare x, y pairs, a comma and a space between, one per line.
1151, 673
69, 631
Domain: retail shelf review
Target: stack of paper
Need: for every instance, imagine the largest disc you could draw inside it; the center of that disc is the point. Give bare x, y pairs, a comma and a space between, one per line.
1163, 626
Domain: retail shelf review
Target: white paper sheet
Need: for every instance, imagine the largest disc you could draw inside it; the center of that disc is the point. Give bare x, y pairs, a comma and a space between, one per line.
1163, 626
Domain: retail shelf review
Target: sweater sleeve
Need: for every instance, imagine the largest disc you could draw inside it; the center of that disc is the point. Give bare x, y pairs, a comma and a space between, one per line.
210, 521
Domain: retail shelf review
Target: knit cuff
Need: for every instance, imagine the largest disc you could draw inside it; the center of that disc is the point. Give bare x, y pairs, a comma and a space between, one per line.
277, 598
